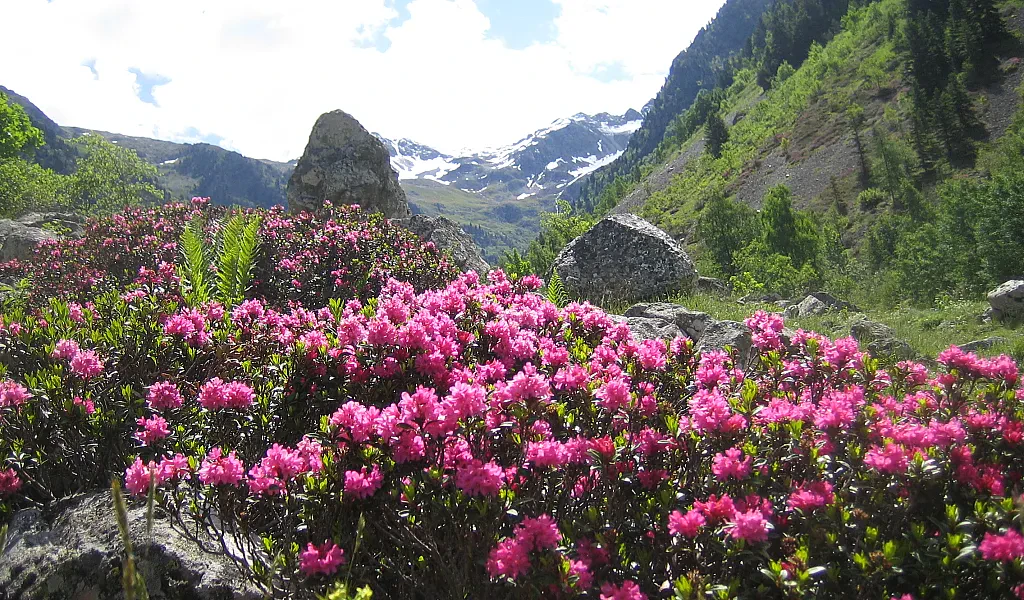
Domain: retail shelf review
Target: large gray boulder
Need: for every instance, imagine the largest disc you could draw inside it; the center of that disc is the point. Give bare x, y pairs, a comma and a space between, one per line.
818, 303
345, 164
722, 334
447, 235
881, 340
78, 557
624, 258
690, 322
1007, 300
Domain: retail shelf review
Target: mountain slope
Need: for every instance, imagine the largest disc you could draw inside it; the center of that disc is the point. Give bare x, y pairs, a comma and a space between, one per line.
187, 170
699, 66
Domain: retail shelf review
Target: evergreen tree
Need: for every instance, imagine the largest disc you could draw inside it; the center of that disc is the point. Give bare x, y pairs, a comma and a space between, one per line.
715, 135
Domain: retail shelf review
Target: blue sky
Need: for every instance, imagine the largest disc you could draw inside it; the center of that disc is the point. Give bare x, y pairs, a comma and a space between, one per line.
253, 75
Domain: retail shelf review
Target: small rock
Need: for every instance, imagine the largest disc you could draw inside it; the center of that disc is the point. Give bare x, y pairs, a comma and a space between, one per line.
690, 322
448, 236
624, 258
811, 307
983, 344
760, 298
1007, 300
720, 334
712, 286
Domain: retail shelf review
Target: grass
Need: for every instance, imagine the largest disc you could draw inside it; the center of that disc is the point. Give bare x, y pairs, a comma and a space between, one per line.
496, 226
929, 331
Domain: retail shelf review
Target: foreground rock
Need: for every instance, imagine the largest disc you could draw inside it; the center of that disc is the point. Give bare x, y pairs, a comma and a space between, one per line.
690, 322
881, 340
1007, 300
624, 258
447, 235
18, 237
727, 334
344, 164
646, 328
78, 557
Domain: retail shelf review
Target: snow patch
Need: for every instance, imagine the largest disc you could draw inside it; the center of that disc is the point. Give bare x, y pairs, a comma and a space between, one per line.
627, 127
525, 196
170, 162
591, 164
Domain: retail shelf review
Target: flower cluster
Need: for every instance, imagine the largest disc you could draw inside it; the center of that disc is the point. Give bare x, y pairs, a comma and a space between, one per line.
541, 450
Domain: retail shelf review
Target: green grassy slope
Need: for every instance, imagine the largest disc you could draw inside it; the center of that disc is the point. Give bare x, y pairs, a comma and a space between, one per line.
497, 226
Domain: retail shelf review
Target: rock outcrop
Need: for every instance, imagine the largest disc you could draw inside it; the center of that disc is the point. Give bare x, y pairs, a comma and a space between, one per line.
18, 237
881, 341
447, 235
624, 258
78, 557
1007, 300
344, 164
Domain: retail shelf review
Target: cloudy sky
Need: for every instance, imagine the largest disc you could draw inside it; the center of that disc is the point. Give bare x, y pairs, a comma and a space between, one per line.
253, 75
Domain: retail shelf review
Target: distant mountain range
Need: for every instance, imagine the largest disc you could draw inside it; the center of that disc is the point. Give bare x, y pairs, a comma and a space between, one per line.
544, 164
496, 195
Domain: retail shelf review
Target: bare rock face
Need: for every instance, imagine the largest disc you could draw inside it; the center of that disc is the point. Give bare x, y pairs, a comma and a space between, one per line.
78, 557
448, 236
344, 164
624, 258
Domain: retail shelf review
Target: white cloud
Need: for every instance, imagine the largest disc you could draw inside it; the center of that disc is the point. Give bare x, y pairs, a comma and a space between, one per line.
259, 72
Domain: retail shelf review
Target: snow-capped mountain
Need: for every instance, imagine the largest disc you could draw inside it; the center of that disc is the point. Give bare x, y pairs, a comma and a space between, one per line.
543, 164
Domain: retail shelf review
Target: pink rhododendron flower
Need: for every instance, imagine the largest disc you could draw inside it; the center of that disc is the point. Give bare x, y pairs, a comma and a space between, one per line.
363, 483
540, 533
321, 560
480, 479
1006, 547
13, 394
580, 570
809, 497
86, 364
215, 394
163, 395
221, 469
750, 526
627, 591
65, 349
687, 525
153, 429
731, 464
9, 482
892, 459
510, 558
87, 404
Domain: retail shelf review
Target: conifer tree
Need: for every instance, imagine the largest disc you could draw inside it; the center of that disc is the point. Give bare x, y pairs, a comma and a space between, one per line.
715, 135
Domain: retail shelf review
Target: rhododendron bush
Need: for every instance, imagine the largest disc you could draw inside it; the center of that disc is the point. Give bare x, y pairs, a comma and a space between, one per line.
309, 258
475, 440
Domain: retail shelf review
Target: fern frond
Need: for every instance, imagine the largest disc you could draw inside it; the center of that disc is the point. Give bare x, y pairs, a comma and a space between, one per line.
227, 258
195, 268
556, 291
